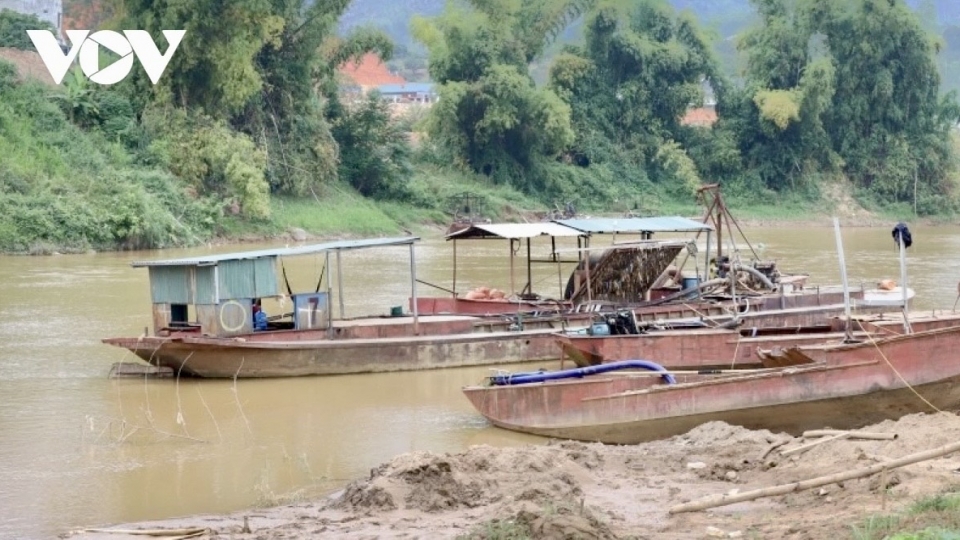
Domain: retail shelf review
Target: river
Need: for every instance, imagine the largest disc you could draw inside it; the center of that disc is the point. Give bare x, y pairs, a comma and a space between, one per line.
79, 449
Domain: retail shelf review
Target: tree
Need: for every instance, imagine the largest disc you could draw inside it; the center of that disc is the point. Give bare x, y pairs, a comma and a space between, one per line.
789, 83
888, 121
847, 86
14, 26
375, 155
491, 117
265, 66
640, 69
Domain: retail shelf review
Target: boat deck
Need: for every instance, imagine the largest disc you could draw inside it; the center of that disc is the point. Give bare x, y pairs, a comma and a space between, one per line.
404, 320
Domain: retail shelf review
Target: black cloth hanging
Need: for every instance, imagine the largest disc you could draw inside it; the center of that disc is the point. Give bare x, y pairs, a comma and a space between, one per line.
901, 231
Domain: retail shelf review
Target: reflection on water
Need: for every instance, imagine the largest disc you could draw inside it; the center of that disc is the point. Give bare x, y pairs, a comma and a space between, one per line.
80, 450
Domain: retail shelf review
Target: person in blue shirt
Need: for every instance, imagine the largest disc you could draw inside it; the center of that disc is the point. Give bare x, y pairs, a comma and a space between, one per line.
259, 316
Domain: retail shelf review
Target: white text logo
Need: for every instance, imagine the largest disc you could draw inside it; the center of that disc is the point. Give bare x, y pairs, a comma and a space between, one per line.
131, 43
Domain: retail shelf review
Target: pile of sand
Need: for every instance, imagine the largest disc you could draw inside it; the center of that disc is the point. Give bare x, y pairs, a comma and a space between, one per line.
580, 490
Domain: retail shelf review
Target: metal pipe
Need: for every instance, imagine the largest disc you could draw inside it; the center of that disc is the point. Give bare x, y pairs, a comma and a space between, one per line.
329, 297
586, 241
340, 285
529, 272
706, 260
513, 285
758, 274
413, 290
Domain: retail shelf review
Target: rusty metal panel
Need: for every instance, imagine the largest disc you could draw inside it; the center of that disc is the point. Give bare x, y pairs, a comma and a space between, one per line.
310, 310
265, 277
204, 285
170, 285
231, 317
236, 279
161, 317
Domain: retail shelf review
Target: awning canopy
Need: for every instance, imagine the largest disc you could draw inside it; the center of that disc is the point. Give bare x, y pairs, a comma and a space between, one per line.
635, 225
340, 245
514, 230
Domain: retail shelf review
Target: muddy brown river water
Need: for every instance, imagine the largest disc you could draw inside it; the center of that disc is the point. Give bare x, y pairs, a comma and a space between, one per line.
78, 449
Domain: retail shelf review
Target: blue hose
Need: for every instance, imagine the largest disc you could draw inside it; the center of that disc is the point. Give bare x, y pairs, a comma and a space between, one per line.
541, 376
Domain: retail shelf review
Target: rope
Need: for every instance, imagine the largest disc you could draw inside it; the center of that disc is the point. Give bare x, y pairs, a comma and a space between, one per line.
285, 280
736, 350
904, 381
319, 281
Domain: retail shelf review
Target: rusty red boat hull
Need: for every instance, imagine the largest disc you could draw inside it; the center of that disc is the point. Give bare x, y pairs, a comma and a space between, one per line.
219, 358
715, 348
845, 387
379, 345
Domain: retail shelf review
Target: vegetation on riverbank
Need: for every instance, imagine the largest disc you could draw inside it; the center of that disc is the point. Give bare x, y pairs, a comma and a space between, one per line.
248, 134
928, 518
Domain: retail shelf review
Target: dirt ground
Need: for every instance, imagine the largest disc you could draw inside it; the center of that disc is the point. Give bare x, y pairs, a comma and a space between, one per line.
566, 489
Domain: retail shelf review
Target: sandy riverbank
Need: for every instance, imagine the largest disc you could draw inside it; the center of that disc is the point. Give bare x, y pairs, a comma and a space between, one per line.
566, 489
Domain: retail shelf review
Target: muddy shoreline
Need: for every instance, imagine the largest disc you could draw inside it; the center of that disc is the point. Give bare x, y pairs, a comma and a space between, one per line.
566, 489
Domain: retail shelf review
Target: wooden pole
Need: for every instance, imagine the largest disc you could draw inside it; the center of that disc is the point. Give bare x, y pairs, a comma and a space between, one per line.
783, 489
853, 434
559, 276
914, 192
454, 267
808, 446
843, 277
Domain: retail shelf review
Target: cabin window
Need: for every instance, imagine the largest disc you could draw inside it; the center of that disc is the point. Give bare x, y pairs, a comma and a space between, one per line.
179, 315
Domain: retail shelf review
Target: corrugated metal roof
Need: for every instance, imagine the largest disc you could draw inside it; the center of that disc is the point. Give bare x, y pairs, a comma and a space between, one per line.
204, 260
635, 225
514, 230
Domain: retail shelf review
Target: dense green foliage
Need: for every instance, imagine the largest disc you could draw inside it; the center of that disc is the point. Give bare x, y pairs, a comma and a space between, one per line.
375, 157
14, 26
491, 116
65, 188
249, 115
629, 85
817, 101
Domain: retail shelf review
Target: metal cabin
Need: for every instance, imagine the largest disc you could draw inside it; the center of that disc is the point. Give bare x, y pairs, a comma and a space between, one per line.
214, 294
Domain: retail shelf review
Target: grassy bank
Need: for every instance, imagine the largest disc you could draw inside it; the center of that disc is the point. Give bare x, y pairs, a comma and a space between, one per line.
929, 518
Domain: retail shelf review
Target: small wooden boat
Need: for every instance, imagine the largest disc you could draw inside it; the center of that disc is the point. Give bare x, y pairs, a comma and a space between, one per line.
838, 385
